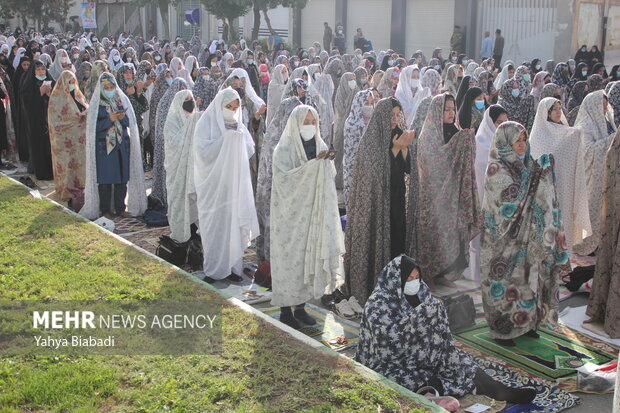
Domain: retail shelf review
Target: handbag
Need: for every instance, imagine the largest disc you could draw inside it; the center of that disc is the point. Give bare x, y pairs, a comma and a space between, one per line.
195, 255
461, 312
172, 251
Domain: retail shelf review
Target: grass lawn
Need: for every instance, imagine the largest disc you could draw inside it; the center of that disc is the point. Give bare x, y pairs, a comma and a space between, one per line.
48, 253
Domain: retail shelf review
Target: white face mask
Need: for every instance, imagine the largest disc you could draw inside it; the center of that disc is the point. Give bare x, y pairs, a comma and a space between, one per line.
76, 55
307, 132
415, 83
102, 56
412, 287
129, 60
367, 110
229, 115
352, 84
116, 58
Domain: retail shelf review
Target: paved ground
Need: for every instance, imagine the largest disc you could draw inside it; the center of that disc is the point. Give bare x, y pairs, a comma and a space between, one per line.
592, 403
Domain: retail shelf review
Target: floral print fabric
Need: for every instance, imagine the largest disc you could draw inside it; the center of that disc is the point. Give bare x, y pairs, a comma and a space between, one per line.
523, 248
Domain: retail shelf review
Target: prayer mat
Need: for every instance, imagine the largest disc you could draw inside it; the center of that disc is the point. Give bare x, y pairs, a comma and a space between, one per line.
128, 224
330, 327
542, 357
147, 239
246, 290
549, 399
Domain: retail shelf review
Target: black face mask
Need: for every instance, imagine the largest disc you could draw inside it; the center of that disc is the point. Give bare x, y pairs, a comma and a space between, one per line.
240, 91
147, 71
189, 106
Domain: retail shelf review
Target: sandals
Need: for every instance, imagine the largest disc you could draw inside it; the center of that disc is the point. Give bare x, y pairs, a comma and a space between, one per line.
26, 180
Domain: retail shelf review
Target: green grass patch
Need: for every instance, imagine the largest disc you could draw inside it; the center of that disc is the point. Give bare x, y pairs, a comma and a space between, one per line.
46, 253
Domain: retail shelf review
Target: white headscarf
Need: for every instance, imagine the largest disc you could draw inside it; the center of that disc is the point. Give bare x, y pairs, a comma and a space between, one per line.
563, 142
406, 91
18, 56
304, 211
114, 66
179, 165
56, 67
227, 215
174, 67
275, 90
136, 190
249, 90
595, 142
502, 77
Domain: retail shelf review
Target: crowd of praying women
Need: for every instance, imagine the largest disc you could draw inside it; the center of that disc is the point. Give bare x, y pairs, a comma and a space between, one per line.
443, 168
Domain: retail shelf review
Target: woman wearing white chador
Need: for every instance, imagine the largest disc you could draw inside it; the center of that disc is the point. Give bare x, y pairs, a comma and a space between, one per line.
564, 143
306, 235
227, 218
179, 164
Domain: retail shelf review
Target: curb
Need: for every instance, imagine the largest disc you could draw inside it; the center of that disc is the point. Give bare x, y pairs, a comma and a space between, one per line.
358, 367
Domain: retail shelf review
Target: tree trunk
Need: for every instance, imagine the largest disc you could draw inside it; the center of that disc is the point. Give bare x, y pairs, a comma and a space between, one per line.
233, 34
266, 16
163, 11
256, 27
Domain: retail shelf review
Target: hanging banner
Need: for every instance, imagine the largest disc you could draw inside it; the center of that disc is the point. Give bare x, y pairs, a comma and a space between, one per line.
89, 20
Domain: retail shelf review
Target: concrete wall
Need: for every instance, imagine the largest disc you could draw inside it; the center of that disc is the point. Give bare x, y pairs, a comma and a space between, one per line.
429, 25
373, 17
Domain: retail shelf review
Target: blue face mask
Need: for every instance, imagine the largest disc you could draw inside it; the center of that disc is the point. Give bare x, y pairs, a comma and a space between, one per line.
584, 73
390, 62
479, 104
169, 80
522, 157
109, 93
437, 67
526, 77
41, 77
465, 62
515, 93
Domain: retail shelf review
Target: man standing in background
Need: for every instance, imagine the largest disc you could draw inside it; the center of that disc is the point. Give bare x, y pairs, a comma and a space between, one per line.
457, 41
498, 49
327, 38
486, 50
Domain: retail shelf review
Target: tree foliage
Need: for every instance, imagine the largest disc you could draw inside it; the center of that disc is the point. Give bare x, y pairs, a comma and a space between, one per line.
162, 5
43, 12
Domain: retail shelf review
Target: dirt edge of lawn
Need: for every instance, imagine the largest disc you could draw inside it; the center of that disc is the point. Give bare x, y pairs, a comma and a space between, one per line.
344, 368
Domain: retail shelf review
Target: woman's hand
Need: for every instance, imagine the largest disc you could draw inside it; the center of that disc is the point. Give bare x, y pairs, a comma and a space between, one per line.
117, 116
402, 142
260, 111
45, 89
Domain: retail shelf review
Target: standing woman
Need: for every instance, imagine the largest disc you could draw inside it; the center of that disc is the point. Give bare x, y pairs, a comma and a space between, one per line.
408, 87
382, 203
596, 123
304, 211
577, 94
354, 128
279, 76
538, 84
552, 135
431, 85
494, 116
159, 155
179, 165
20, 126
222, 149
35, 92
83, 73
294, 95
344, 98
516, 99
113, 158
205, 88
604, 302
523, 250
449, 213
67, 125
472, 109
99, 67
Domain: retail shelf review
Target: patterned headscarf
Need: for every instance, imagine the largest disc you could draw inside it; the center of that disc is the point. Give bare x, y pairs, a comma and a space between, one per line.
114, 135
